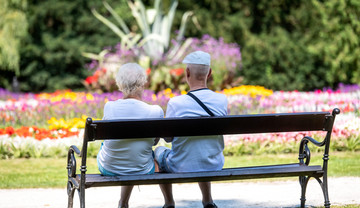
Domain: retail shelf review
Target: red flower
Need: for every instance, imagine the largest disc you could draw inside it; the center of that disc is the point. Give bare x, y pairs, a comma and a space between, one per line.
23, 132
2, 131
43, 134
9, 130
177, 72
148, 71
91, 79
38, 133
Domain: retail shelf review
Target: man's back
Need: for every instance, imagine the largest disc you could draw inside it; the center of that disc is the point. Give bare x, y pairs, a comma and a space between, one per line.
186, 106
202, 153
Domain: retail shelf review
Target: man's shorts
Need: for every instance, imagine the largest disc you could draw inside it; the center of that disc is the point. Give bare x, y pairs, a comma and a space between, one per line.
161, 153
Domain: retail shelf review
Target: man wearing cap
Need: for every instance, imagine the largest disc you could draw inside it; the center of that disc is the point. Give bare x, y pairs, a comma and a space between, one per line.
197, 153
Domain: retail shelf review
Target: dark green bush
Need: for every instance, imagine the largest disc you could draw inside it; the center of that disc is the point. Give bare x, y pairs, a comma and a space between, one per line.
288, 44
285, 44
59, 31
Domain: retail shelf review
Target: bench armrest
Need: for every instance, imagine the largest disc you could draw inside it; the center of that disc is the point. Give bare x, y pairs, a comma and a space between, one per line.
307, 139
71, 164
75, 149
304, 151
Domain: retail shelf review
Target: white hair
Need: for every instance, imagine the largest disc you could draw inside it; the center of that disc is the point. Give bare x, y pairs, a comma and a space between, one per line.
131, 78
200, 71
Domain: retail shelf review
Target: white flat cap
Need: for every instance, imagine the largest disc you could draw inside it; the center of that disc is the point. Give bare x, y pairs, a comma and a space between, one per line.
197, 57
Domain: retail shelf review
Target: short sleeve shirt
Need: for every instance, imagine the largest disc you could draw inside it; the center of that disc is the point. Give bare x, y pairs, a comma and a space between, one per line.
197, 153
126, 157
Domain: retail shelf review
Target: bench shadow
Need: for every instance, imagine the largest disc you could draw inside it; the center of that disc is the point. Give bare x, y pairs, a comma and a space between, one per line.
231, 203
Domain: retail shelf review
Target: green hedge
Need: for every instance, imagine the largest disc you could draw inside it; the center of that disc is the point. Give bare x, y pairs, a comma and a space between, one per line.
288, 44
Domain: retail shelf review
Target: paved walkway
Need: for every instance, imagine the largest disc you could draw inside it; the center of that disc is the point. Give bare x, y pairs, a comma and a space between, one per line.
344, 190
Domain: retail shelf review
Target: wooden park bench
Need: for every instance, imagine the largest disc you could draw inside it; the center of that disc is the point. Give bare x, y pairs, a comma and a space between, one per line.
239, 124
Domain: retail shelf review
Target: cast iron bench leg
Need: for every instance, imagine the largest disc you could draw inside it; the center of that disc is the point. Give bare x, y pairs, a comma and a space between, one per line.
70, 192
324, 188
82, 197
303, 183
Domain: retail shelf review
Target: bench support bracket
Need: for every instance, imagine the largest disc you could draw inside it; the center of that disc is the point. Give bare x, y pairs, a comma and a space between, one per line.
323, 184
304, 154
324, 188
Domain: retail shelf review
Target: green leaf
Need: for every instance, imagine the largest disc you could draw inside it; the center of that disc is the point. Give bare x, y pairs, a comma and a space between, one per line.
117, 17
111, 25
183, 24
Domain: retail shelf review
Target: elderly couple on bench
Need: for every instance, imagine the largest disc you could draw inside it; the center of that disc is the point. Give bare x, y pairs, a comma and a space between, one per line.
190, 154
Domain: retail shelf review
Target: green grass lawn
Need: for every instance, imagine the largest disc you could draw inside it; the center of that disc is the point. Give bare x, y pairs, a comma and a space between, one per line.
51, 172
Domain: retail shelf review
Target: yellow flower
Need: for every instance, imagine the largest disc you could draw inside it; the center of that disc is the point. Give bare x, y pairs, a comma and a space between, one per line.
67, 95
89, 96
154, 98
74, 123
167, 91
250, 90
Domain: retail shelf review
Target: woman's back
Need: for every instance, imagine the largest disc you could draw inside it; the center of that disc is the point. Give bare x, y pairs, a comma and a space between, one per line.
126, 157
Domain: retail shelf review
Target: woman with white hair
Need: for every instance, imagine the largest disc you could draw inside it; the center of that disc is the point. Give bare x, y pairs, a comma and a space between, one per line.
128, 157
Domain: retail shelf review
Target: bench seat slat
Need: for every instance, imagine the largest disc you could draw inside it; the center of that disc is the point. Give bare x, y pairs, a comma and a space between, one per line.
97, 180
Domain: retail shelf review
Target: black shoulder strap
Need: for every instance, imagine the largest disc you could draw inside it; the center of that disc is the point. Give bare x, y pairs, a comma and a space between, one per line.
200, 103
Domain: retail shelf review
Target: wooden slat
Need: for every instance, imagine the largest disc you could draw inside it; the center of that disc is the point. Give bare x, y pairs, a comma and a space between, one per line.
96, 180
167, 127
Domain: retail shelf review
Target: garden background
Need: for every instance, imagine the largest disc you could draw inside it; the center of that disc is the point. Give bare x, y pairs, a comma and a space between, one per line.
58, 58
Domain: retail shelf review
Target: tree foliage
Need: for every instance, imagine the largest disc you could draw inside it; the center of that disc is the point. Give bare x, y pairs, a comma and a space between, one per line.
288, 44
334, 39
285, 44
58, 32
13, 28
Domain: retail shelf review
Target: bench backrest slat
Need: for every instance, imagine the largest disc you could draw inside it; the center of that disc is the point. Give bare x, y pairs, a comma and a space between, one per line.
199, 126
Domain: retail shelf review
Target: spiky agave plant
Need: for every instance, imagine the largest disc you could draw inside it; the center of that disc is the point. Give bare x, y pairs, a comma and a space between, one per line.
155, 29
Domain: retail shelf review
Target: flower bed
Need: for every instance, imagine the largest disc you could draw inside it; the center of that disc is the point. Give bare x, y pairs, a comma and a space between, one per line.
164, 70
345, 137
44, 125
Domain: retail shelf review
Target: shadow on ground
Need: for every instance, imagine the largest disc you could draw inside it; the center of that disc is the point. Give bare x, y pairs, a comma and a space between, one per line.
231, 203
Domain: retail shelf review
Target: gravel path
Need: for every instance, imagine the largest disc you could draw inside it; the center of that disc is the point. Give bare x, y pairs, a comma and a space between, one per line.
344, 190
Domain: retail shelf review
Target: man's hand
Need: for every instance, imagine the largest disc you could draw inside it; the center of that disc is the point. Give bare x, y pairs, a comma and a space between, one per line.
156, 141
168, 139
